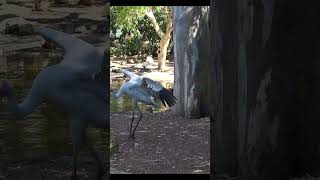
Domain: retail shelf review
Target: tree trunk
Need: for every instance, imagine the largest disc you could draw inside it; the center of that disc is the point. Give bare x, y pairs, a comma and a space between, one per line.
265, 88
164, 43
191, 51
164, 36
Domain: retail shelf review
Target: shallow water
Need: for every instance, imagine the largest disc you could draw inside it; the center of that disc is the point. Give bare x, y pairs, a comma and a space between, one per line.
44, 133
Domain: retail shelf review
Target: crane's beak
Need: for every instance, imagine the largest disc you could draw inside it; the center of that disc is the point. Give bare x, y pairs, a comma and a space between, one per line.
112, 89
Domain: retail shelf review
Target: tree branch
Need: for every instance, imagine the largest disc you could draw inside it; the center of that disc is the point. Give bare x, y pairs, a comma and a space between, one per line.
170, 24
153, 20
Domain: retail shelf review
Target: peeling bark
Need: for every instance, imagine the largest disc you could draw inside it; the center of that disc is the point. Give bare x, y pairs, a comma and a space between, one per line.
265, 85
191, 50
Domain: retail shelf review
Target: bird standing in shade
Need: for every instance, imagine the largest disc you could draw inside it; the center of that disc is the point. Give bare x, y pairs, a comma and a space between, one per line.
77, 84
145, 90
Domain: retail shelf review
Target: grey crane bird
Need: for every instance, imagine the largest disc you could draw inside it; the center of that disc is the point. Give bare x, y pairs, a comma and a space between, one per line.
77, 84
145, 90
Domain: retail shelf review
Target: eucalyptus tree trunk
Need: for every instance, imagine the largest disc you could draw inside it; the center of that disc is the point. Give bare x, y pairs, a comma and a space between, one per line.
265, 88
191, 51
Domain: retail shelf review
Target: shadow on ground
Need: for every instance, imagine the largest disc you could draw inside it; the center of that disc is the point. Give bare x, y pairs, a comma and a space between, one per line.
164, 144
55, 169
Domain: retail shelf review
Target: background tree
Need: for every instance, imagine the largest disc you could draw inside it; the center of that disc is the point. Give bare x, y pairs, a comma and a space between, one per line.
265, 88
129, 26
164, 36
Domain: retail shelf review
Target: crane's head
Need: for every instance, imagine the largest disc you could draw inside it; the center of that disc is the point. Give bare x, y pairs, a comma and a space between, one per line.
5, 88
112, 89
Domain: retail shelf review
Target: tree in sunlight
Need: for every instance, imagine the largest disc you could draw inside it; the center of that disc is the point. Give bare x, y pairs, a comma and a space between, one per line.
128, 19
192, 60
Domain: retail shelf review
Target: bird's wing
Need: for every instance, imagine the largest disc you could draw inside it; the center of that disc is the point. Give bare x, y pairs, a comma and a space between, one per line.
158, 91
80, 56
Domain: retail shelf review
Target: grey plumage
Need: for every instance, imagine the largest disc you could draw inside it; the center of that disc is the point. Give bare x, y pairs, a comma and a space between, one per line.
145, 90
77, 84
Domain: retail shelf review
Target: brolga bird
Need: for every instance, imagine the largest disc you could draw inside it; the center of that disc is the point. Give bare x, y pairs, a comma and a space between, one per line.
77, 84
145, 90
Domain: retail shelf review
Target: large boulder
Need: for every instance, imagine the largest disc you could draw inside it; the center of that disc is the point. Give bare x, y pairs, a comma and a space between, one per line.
19, 30
17, 26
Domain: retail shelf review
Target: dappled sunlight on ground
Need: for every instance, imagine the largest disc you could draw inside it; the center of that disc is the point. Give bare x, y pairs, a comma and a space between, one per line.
150, 71
165, 143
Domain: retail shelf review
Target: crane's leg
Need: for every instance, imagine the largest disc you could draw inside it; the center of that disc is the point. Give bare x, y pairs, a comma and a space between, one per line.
134, 130
132, 119
99, 162
77, 133
134, 104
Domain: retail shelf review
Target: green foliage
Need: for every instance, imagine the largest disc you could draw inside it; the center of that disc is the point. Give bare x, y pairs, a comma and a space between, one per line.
131, 31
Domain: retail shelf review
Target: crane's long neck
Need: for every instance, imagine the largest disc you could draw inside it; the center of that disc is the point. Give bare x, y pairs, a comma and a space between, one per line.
24, 108
114, 94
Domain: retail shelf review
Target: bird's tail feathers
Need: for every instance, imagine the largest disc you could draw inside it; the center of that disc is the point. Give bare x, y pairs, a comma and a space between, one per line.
155, 102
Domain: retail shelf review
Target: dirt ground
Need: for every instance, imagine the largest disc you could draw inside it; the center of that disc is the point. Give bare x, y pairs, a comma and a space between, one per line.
55, 169
150, 71
164, 144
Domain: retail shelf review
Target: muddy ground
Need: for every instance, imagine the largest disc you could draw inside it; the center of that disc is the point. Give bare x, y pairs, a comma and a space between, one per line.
54, 169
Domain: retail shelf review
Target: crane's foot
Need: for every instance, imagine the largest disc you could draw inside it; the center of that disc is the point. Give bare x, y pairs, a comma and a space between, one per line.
132, 137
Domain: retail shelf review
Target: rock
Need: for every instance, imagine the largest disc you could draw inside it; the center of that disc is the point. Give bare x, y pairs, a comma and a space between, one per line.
19, 30
86, 2
81, 29
3, 2
145, 64
102, 28
68, 10
93, 27
15, 10
130, 61
123, 63
29, 5
13, 21
93, 38
48, 45
116, 71
11, 29
45, 17
94, 14
9, 43
41, 5
69, 2
67, 27
7, 16
19, 1
149, 60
